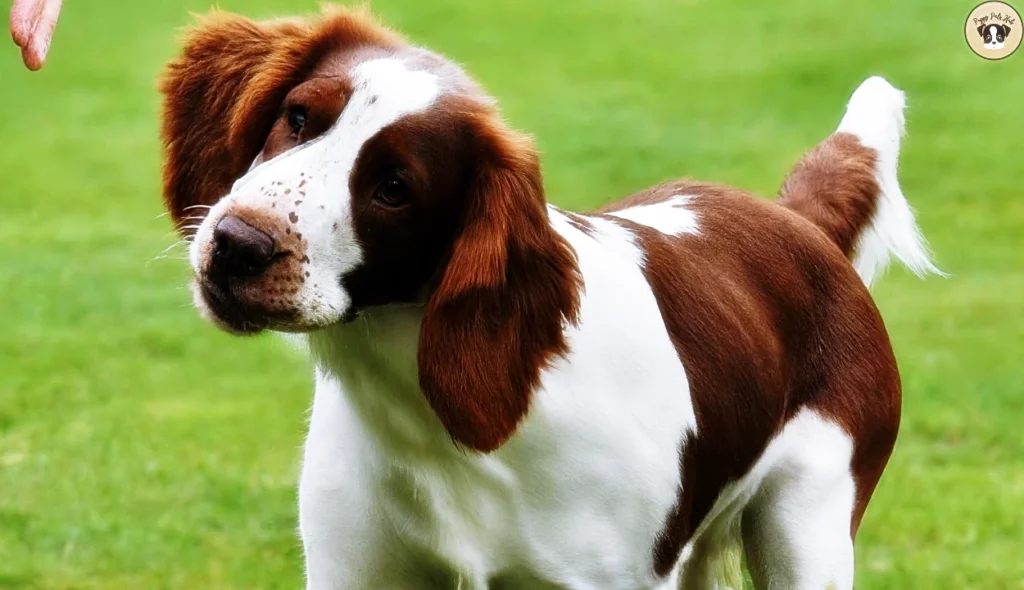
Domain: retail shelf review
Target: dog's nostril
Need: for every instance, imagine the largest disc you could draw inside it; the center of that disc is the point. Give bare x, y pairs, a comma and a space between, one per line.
240, 249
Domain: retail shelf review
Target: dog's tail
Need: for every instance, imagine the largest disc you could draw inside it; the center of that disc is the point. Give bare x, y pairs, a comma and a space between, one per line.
847, 186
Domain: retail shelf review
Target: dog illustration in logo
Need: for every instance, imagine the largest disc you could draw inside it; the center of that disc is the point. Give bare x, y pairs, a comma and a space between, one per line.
994, 35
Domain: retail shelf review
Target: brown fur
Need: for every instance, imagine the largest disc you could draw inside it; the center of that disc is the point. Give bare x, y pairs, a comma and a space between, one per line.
221, 96
509, 287
322, 99
834, 187
778, 321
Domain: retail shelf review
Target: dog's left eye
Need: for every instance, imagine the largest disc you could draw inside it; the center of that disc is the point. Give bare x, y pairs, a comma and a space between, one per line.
296, 120
392, 193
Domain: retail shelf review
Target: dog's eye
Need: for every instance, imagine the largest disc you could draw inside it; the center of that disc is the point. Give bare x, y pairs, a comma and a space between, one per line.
296, 120
392, 193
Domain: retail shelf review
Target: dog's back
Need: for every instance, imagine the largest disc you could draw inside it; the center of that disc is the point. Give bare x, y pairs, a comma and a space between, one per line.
778, 333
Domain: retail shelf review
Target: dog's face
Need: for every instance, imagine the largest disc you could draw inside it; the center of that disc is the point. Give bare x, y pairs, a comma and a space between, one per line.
994, 35
365, 167
324, 167
351, 203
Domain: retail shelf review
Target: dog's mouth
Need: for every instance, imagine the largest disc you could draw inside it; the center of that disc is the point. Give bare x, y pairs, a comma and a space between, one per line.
229, 311
247, 309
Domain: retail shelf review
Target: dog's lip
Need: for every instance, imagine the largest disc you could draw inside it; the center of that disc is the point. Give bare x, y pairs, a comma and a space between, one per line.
234, 315
228, 309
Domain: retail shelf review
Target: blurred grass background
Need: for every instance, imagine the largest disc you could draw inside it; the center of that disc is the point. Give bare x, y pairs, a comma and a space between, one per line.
140, 448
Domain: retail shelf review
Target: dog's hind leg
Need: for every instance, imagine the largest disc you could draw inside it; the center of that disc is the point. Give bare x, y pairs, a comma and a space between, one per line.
715, 559
797, 529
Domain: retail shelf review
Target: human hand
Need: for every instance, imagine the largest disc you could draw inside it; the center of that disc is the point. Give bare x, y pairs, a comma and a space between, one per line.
32, 24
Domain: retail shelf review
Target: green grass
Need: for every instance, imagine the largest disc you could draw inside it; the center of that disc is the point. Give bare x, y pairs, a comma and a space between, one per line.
140, 448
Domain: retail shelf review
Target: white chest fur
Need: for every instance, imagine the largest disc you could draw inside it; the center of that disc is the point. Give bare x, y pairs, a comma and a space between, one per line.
575, 499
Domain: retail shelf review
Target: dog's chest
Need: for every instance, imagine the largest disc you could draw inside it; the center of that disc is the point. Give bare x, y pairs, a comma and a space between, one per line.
423, 515
457, 520
379, 464
525, 517
575, 499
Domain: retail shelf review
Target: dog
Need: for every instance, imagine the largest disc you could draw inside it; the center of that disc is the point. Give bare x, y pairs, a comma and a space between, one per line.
994, 35
512, 395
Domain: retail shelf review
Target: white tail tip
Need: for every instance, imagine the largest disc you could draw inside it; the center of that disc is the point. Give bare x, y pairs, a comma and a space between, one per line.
875, 116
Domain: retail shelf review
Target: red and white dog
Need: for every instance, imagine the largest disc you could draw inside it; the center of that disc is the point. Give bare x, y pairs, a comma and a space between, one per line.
509, 395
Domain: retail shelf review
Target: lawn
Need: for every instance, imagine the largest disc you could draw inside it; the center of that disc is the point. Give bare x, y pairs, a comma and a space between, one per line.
140, 448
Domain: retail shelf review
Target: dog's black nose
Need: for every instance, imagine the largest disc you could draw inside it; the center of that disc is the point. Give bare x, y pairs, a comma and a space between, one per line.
241, 250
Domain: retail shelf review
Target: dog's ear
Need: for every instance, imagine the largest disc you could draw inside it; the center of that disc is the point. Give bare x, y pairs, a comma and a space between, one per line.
222, 94
497, 315
220, 97
1006, 30
981, 30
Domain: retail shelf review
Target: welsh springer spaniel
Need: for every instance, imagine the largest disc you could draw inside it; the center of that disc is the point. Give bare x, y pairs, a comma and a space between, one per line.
509, 395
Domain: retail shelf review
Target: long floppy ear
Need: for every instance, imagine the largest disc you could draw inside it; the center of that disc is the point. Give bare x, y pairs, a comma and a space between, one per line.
222, 94
1006, 30
498, 314
220, 98
981, 30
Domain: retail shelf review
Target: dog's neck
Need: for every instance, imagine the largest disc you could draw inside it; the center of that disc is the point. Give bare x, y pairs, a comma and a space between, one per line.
374, 360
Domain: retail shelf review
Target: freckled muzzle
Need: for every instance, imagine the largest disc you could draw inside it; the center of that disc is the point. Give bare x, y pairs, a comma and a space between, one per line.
241, 250
252, 272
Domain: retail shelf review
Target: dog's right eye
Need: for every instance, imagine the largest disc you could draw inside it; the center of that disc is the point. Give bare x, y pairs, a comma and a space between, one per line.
296, 121
392, 193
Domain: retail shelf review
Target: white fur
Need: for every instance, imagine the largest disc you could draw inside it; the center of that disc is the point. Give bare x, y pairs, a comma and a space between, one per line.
875, 116
311, 181
791, 514
577, 497
605, 423
670, 217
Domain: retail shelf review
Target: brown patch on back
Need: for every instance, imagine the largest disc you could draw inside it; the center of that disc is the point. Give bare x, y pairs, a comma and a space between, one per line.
834, 186
221, 96
767, 317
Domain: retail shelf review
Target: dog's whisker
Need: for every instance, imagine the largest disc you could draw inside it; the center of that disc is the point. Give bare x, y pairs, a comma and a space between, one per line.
187, 243
156, 258
168, 254
171, 247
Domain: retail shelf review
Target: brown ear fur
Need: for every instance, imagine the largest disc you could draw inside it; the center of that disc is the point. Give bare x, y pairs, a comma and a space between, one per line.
497, 316
222, 94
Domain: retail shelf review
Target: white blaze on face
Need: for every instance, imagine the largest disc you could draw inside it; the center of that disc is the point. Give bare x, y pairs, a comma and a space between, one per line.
308, 186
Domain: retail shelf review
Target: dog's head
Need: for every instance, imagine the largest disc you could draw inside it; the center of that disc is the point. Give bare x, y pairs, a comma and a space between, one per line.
994, 35
325, 168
